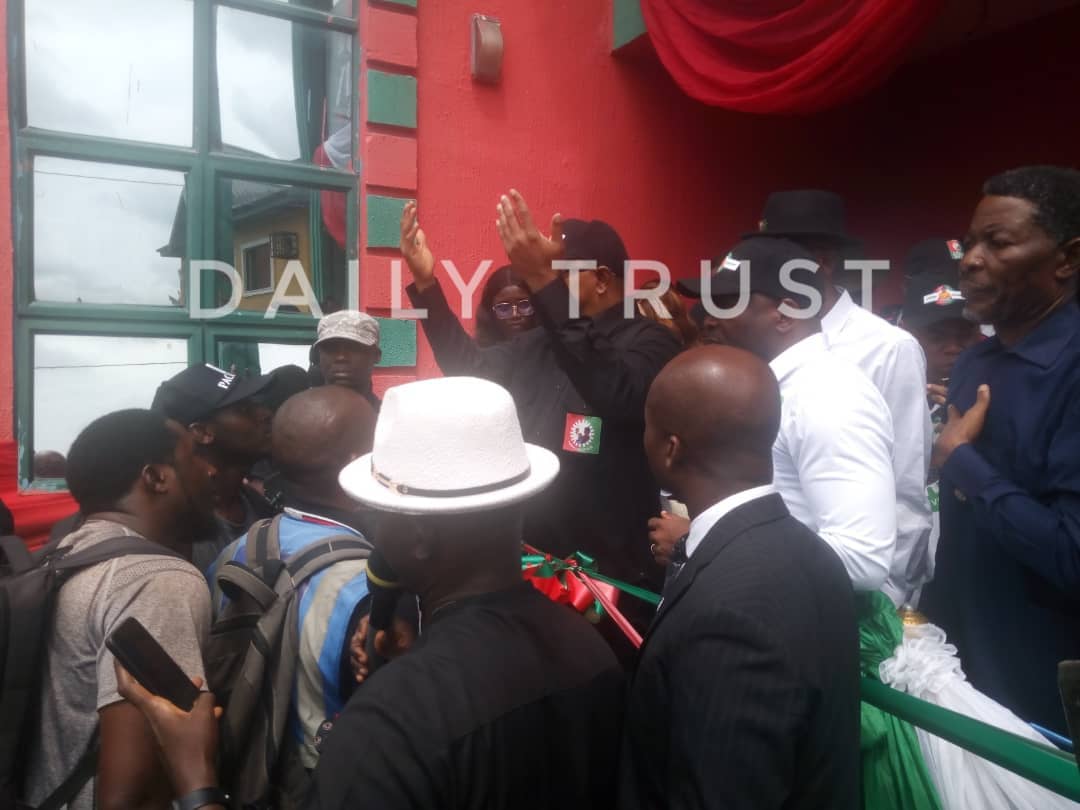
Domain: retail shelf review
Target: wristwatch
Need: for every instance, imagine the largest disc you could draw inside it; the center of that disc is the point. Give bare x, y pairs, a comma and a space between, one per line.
201, 798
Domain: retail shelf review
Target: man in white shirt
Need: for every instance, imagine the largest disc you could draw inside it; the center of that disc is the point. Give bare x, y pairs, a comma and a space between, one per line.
889, 356
832, 459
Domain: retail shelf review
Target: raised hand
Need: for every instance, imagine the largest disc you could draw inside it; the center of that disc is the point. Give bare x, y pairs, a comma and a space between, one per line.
530, 252
415, 249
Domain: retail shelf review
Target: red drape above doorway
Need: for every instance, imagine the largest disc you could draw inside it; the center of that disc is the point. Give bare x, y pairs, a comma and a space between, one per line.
783, 56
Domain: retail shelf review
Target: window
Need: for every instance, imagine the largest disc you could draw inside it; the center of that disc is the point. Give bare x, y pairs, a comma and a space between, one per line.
258, 272
153, 138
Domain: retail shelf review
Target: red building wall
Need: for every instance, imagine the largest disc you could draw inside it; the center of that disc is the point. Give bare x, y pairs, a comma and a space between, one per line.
588, 134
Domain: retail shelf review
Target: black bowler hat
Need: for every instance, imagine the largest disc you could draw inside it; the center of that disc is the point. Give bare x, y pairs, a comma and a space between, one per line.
594, 241
766, 258
932, 283
805, 213
198, 391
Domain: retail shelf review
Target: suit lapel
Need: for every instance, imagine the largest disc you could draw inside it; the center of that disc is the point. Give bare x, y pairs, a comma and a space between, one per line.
728, 528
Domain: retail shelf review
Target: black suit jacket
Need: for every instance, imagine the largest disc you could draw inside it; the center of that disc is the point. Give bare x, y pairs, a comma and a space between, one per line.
747, 690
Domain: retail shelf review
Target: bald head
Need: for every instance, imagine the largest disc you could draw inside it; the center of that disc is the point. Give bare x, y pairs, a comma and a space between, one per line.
712, 413
319, 431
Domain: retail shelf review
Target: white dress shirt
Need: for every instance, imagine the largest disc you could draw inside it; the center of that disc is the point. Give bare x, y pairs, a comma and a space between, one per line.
832, 460
895, 363
703, 523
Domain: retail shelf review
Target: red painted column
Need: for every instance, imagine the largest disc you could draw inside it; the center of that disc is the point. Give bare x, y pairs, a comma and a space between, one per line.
389, 157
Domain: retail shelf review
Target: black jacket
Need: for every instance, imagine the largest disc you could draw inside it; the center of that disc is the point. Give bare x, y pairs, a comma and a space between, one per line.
599, 504
506, 702
747, 692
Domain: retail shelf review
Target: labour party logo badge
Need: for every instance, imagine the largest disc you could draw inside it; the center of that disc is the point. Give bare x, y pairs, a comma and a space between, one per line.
582, 434
943, 296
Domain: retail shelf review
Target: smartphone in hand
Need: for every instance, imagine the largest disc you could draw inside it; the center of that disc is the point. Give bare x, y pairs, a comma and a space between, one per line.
149, 664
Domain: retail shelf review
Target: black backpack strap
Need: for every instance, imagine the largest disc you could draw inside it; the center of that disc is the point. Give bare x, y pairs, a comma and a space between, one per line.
273, 538
84, 771
264, 541
110, 549
234, 578
314, 558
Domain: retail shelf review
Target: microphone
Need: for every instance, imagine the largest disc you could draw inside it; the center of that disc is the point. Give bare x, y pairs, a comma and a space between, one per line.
385, 591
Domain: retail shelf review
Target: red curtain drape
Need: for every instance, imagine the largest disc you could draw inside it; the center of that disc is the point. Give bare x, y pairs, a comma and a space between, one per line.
783, 56
34, 512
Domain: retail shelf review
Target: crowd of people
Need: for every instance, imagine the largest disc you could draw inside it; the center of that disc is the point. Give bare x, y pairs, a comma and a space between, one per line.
796, 476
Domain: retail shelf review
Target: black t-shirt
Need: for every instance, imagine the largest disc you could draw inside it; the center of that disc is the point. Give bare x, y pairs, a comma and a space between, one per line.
507, 701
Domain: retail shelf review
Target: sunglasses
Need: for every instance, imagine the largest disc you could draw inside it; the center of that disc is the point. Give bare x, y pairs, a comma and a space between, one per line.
507, 309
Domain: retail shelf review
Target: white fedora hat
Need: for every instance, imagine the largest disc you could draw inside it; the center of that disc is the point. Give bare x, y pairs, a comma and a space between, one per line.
447, 446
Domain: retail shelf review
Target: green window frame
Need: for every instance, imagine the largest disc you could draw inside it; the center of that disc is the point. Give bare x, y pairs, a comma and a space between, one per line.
205, 166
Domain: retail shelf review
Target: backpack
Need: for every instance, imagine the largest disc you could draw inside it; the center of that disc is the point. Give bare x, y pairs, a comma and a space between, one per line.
251, 661
29, 583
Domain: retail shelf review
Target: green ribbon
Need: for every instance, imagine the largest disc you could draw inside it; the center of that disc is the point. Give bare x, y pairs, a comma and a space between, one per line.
1052, 769
633, 590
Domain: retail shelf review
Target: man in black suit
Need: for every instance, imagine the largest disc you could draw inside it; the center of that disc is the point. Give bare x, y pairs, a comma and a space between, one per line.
747, 691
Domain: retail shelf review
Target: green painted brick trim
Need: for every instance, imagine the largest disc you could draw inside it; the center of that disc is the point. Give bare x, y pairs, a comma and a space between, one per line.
384, 221
409, 3
391, 99
627, 22
397, 339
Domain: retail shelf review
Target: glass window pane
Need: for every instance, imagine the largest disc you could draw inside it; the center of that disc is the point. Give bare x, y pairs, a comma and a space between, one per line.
339, 8
78, 378
284, 89
115, 68
258, 267
274, 235
107, 234
250, 358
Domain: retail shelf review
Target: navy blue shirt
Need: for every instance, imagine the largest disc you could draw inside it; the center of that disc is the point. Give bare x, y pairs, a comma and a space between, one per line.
1007, 583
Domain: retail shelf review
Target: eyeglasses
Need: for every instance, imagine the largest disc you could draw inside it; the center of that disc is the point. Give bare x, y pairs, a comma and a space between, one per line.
507, 309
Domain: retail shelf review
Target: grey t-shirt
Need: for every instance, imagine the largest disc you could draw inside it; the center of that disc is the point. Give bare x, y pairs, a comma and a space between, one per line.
168, 595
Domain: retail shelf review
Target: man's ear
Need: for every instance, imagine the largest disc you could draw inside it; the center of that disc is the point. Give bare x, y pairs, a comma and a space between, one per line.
781, 322
202, 432
604, 278
674, 451
424, 542
156, 477
1070, 268
378, 354
828, 259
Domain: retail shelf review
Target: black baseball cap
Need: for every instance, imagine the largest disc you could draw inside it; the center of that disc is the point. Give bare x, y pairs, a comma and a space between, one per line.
805, 214
941, 256
594, 241
766, 257
932, 283
198, 391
